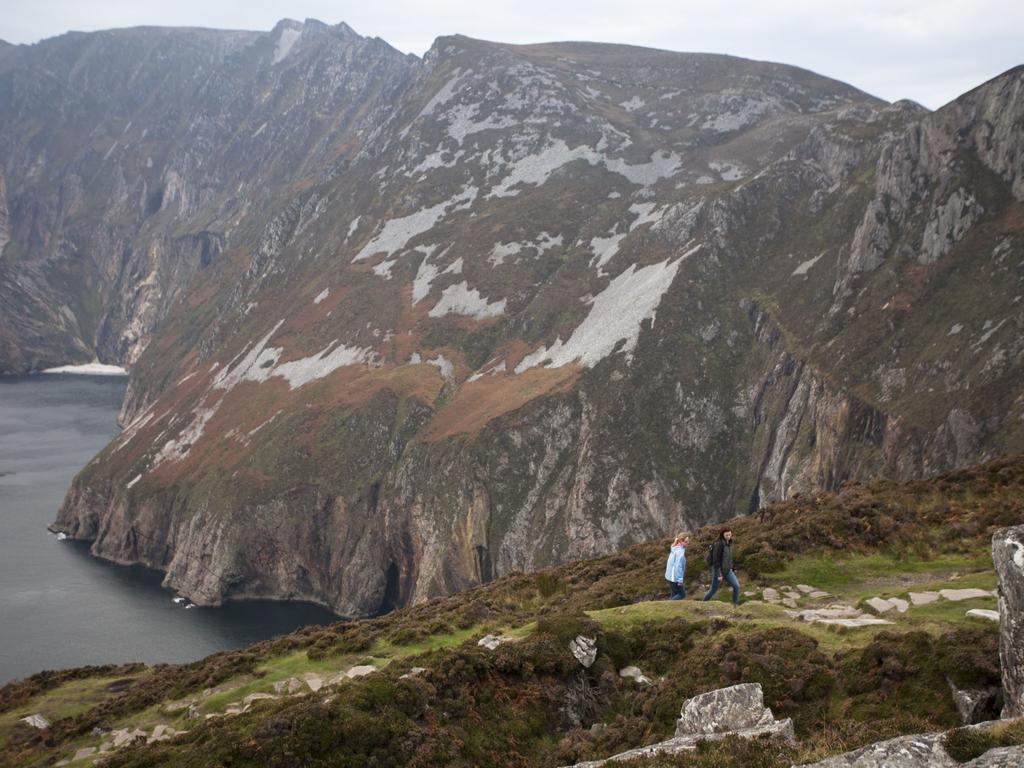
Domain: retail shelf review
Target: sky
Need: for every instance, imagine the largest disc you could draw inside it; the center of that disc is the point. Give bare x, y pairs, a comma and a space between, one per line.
930, 51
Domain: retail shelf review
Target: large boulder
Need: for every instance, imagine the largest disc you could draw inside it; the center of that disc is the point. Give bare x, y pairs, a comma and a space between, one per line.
1008, 557
1000, 757
725, 710
923, 750
735, 711
584, 649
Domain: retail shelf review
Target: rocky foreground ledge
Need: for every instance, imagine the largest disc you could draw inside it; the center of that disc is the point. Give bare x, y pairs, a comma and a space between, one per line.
1008, 557
735, 711
739, 711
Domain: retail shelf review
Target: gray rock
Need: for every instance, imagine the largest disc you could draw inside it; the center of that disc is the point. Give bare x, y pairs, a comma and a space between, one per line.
963, 594
879, 604
122, 736
860, 621
917, 751
36, 721
636, 674
923, 598
974, 705
83, 753
771, 595
257, 697
983, 613
289, 686
584, 649
1008, 558
315, 682
360, 671
161, 732
726, 709
736, 711
490, 642
1001, 757
899, 604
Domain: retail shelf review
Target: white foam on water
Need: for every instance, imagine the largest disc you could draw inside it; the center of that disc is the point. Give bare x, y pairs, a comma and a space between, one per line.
89, 369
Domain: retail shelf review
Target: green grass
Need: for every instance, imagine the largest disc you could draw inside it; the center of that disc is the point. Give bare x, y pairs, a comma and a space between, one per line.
380, 654
878, 574
70, 699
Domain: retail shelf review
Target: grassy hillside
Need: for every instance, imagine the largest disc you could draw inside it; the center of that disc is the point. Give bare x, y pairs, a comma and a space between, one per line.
439, 698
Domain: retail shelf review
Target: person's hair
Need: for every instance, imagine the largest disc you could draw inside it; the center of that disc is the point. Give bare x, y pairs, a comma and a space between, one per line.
721, 534
680, 536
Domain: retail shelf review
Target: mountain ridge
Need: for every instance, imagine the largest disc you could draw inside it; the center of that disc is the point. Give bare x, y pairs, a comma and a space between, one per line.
546, 306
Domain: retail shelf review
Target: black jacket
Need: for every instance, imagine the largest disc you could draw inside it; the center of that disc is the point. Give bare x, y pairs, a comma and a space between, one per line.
721, 556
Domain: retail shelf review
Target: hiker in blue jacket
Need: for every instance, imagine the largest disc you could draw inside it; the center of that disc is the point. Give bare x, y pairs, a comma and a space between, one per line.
721, 566
675, 568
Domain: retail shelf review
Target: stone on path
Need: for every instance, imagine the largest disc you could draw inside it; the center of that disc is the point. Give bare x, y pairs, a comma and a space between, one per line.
122, 736
161, 732
770, 595
584, 649
315, 682
805, 588
983, 613
360, 670
834, 612
257, 697
879, 604
923, 598
490, 642
899, 604
957, 595
789, 602
860, 621
818, 594
414, 672
36, 721
1008, 558
636, 674
83, 753
289, 686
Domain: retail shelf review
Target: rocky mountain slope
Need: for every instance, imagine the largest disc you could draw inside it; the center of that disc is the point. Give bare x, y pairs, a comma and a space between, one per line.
498, 675
128, 157
524, 304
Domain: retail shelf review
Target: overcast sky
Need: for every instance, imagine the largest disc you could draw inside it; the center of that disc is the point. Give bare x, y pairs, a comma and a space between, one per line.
928, 50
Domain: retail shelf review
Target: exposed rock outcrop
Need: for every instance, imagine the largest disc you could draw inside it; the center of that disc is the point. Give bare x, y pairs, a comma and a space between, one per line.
1008, 557
412, 364
735, 711
923, 750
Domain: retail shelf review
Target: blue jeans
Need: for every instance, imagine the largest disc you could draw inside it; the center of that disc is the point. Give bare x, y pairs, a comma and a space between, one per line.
676, 591
733, 582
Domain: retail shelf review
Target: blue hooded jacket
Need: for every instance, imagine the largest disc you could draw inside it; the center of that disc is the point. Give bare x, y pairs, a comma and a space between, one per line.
676, 565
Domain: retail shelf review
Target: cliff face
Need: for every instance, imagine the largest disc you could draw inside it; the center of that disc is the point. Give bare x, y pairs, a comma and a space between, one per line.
560, 299
132, 157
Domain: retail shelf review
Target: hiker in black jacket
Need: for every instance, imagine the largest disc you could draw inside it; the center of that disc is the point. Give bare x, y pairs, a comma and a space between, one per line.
721, 566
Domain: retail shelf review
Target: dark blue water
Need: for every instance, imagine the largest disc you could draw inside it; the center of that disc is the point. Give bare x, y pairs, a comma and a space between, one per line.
60, 607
